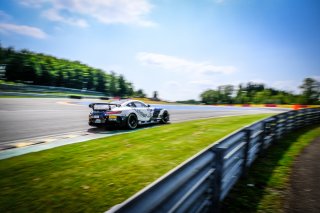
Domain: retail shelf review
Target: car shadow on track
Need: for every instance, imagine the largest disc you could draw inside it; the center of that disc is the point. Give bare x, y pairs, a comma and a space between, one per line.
116, 130
107, 131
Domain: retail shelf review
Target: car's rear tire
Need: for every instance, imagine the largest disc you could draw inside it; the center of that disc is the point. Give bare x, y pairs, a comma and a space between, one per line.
132, 121
165, 117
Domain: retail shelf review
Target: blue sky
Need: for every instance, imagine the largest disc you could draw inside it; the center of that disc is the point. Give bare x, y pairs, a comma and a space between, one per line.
177, 47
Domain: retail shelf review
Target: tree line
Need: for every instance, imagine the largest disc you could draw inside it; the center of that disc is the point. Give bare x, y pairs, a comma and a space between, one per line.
39, 69
258, 93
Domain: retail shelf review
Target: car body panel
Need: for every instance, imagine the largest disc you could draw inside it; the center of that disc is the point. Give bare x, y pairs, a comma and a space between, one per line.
116, 113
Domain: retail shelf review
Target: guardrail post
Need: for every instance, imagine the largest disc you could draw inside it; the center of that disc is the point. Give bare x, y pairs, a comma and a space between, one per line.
280, 126
263, 135
307, 117
294, 120
285, 123
303, 118
313, 116
317, 115
310, 114
300, 119
219, 153
246, 151
275, 130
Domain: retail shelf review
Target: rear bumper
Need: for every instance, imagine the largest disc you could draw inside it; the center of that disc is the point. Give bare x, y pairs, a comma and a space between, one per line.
121, 120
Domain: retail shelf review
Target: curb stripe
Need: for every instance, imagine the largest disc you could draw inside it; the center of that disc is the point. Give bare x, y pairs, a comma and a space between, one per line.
30, 142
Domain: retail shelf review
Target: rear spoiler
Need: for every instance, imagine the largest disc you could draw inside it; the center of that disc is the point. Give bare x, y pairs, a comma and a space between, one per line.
110, 104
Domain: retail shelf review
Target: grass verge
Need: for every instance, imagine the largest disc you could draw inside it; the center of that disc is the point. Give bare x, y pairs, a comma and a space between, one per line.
94, 176
265, 187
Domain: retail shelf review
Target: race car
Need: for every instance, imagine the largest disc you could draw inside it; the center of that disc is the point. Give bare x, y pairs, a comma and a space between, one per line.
126, 113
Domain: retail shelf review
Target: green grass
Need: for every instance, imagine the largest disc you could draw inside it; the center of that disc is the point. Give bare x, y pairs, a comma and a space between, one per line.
95, 175
265, 187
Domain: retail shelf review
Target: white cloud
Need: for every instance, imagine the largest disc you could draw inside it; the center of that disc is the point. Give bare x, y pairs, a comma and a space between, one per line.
4, 16
172, 84
201, 82
22, 30
54, 15
183, 65
315, 77
32, 3
104, 11
286, 85
181, 91
190, 77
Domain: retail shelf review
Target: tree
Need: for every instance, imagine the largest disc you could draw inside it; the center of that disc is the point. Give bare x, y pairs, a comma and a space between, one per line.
59, 80
310, 91
250, 93
41, 69
130, 88
113, 84
140, 94
45, 78
122, 87
155, 96
90, 83
225, 93
101, 86
261, 96
210, 97
14, 68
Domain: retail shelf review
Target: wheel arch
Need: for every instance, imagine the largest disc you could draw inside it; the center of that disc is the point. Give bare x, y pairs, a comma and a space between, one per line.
127, 120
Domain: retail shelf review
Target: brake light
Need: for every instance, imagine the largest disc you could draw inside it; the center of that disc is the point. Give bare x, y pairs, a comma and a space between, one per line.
114, 112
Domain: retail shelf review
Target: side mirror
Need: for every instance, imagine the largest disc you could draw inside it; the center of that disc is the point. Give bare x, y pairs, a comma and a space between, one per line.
148, 105
90, 105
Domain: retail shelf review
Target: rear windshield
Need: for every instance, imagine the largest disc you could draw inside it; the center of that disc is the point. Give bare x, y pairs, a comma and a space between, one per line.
119, 102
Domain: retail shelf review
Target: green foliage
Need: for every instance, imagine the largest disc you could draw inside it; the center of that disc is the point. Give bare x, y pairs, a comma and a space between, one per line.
39, 69
155, 96
210, 97
191, 101
222, 95
258, 94
140, 94
310, 91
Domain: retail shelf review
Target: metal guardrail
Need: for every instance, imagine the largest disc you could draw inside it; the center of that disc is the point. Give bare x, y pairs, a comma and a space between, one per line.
202, 182
48, 89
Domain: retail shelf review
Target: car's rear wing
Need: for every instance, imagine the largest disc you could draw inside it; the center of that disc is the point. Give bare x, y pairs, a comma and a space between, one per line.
103, 106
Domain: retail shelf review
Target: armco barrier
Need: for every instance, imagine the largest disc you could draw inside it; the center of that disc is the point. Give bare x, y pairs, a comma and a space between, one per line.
45, 89
202, 182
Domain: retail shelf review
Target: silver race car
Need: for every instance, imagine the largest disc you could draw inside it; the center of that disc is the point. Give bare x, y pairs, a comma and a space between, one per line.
126, 113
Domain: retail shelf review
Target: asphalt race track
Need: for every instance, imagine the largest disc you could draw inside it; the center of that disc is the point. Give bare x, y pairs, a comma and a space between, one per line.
25, 118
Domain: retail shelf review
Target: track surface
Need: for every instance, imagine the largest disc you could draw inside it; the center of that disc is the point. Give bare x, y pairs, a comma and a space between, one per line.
25, 118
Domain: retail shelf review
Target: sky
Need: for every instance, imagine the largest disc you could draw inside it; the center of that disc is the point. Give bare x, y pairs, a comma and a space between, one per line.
179, 48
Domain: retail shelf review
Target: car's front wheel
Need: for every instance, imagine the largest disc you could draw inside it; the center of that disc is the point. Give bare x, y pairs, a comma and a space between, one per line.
132, 121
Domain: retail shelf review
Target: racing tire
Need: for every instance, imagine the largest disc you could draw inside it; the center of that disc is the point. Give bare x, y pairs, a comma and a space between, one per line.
165, 117
132, 121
